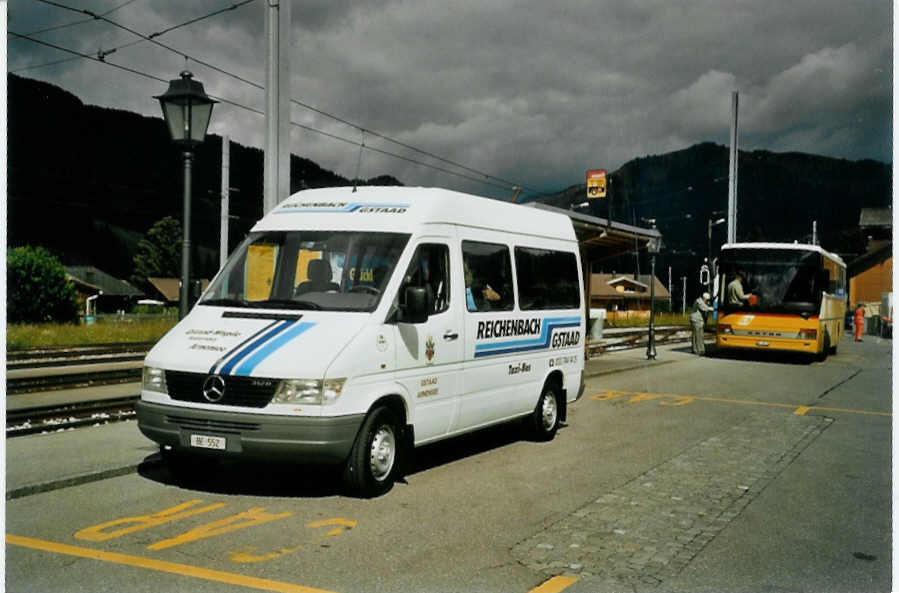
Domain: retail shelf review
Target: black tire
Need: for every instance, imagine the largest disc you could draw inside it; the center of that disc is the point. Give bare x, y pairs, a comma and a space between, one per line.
546, 416
375, 459
826, 349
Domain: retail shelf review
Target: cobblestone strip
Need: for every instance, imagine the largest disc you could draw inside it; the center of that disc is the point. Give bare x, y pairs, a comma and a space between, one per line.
652, 527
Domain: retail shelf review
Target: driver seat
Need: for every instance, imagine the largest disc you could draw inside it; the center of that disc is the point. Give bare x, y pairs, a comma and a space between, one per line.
319, 273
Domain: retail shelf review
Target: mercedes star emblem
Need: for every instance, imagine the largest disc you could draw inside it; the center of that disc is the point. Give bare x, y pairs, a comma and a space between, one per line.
214, 388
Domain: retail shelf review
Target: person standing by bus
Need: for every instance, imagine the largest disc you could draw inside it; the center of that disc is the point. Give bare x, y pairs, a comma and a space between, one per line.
859, 321
697, 321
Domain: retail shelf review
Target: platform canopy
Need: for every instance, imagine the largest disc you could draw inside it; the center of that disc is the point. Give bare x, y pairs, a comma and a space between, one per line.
600, 239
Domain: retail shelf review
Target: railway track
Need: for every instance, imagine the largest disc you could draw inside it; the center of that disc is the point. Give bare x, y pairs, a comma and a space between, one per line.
53, 369
66, 416
37, 372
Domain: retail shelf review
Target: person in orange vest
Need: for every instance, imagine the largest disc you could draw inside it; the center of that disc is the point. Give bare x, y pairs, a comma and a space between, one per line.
859, 321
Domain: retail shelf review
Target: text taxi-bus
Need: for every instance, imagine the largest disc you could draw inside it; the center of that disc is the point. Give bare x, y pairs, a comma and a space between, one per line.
351, 326
798, 298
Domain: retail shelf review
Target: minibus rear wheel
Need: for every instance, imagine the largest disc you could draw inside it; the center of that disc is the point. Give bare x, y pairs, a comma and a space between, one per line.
374, 460
545, 418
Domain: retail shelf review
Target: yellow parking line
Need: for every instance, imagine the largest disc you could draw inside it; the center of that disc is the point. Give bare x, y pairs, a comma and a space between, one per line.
555, 584
160, 565
681, 400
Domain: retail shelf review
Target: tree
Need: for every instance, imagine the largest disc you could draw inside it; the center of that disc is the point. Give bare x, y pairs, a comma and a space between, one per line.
159, 254
37, 287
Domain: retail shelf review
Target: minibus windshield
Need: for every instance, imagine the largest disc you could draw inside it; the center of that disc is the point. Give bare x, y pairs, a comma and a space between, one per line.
317, 270
781, 281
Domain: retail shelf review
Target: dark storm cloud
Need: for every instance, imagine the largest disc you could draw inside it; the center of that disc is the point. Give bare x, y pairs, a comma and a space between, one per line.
528, 90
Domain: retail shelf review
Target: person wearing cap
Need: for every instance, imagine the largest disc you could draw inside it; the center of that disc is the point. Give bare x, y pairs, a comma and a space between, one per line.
697, 320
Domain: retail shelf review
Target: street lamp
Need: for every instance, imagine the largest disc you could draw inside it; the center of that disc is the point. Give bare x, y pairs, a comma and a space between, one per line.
654, 246
187, 110
713, 224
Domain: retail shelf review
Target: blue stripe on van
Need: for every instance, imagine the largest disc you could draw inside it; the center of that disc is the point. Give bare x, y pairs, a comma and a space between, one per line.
351, 207
241, 345
280, 327
247, 367
539, 343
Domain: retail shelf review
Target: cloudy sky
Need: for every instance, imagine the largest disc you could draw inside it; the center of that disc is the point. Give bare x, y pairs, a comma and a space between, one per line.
527, 91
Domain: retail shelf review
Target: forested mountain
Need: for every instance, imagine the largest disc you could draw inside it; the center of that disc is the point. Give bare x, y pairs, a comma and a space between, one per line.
87, 182
779, 196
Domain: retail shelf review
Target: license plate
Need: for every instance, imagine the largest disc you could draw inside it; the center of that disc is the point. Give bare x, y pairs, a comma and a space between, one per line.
762, 344
207, 442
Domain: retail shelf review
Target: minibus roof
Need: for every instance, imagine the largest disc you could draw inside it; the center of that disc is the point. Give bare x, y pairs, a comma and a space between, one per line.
785, 246
406, 209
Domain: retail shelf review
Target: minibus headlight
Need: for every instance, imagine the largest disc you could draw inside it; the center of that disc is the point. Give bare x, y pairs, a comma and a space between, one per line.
308, 391
808, 334
154, 380
724, 328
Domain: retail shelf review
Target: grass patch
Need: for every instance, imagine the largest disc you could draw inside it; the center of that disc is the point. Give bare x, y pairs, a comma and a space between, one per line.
115, 330
643, 320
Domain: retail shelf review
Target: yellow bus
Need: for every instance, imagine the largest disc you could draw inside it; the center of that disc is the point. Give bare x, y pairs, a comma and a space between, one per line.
795, 298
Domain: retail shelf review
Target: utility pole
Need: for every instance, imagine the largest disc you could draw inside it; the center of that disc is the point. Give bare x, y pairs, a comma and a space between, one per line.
814, 232
276, 186
684, 297
226, 183
732, 172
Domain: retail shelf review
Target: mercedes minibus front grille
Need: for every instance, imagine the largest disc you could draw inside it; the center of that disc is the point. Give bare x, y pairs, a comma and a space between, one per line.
250, 392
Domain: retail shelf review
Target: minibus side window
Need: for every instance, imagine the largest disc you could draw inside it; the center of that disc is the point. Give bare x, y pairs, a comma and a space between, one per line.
429, 269
488, 276
546, 279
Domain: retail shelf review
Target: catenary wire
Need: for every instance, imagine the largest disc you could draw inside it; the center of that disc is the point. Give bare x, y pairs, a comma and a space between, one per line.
151, 38
81, 22
101, 54
260, 112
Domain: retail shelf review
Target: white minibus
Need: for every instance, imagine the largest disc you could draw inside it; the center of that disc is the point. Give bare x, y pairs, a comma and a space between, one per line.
353, 325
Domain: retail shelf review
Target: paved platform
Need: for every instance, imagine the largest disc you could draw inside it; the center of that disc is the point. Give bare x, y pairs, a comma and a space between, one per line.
635, 358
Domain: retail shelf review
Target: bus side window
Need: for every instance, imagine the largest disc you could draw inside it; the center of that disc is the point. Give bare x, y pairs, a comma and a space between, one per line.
488, 276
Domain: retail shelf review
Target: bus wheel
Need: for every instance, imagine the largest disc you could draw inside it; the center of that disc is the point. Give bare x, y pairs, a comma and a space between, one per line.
545, 418
374, 459
826, 349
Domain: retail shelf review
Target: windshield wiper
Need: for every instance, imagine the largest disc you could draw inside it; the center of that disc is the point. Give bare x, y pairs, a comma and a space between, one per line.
225, 303
285, 304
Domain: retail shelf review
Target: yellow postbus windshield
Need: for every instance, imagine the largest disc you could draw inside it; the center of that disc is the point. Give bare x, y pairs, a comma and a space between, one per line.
780, 281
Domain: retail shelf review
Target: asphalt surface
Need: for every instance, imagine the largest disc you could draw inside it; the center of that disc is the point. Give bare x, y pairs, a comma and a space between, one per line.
725, 473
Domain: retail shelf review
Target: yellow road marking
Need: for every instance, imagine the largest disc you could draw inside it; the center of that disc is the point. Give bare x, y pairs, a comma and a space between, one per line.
680, 400
161, 566
98, 533
248, 518
555, 584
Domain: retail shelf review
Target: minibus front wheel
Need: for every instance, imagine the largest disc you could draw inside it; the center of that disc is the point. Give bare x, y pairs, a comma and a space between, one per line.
374, 460
547, 415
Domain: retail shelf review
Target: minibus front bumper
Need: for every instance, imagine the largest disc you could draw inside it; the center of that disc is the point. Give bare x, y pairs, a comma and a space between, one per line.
302, 439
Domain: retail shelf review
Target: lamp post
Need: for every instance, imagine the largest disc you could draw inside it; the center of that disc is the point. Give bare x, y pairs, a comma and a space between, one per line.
654, 246
187, 110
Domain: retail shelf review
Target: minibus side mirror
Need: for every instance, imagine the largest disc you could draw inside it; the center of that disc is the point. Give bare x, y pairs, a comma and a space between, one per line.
416, 308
